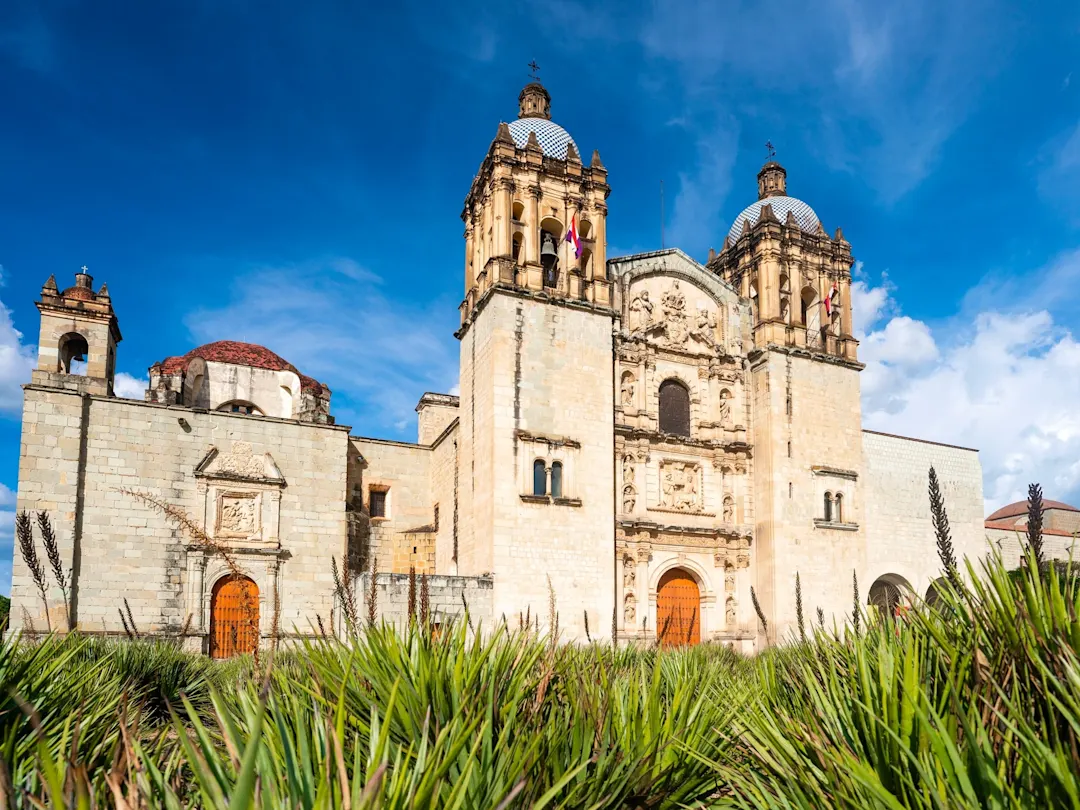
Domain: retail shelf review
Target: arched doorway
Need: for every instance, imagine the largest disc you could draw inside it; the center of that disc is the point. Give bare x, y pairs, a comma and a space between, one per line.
234, 617
678, 609
889, 594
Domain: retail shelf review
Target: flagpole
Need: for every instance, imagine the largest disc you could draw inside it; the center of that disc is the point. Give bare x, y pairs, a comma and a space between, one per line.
661, 214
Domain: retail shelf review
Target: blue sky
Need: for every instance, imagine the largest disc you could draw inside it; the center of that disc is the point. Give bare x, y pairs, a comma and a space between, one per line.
292, 174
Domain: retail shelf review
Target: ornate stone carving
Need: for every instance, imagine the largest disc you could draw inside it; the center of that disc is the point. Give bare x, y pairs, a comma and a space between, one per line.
237, 516
628, 380
676, 327
705, 328
629, 498
629, 576
729, 509
680, 486
729, 589
640, 312
629, 610
241, 461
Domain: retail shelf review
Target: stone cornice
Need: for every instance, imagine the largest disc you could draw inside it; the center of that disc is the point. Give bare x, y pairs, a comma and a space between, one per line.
655, 437
534, 295
756, 357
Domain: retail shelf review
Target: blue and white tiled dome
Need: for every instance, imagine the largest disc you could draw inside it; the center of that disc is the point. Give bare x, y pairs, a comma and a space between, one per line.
553, 138
805, 217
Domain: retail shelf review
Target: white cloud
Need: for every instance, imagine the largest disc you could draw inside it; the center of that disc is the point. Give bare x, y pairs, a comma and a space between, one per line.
130, 387
1005, 383
695, 214
7, 537
16, 361
331, 319
7, 496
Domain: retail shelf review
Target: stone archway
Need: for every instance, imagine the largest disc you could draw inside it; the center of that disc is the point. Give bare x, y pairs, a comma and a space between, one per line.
234, 617
888, 594
678, 609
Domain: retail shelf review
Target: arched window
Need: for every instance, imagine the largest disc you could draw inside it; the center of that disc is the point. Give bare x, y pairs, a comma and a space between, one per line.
539, 477
838, 507
809, 298
73, 351
828, 507
518, 211
556, 479
240, 406
518, 241
674, 408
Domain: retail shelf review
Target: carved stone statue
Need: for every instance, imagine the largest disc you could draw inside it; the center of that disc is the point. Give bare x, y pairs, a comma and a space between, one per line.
680, 486
629, 610
725, 408
629, 576
641, 309
729, 509
730, 614
628, 469
628, 381
705, 328
629, 498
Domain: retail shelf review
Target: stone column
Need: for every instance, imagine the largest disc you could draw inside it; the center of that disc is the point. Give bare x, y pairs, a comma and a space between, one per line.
502, 217
200, 594
532, 226
470, 254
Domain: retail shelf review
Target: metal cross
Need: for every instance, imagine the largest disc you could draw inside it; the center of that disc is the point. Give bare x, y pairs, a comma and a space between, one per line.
533, 67
769, 146
83, 268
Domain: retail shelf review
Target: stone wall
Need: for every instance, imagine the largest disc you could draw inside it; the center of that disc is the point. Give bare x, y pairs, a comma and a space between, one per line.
447, 595
79, 453
807, 441
1012, 545
537, 384
899, 532
402, 471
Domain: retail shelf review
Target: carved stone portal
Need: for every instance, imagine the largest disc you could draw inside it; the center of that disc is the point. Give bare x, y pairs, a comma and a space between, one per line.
680, 486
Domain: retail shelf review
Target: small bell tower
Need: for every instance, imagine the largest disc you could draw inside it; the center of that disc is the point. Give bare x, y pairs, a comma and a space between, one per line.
78, 337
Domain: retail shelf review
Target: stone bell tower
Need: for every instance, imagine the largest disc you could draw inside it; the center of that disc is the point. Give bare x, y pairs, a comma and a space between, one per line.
79, 333
536, 375
805, 393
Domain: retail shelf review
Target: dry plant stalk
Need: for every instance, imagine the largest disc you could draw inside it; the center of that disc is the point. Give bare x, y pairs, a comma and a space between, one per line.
127, 629
1035, 523
28, 550
425, 602
344, 592
821, 618
942, 533
187, 524
373, 594
759, 611
52, 551
855, 612
798, 606
412, 594
131, 620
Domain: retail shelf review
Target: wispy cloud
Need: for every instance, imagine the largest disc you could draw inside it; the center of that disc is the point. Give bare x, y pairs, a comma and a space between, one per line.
874, 87
336, 321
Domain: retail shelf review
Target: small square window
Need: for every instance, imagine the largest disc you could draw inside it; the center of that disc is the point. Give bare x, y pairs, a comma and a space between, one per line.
377, 507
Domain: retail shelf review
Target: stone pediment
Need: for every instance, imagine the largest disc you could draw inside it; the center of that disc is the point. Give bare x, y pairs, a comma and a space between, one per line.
240, 463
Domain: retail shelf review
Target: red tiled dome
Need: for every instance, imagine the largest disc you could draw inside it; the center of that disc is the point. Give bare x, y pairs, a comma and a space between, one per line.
85, 293
1019, 509
240, 354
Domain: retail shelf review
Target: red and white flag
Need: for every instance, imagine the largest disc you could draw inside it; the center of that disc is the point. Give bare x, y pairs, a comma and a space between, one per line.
572, 237
829, 299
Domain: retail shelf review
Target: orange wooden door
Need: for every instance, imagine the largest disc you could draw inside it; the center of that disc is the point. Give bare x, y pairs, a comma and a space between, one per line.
678, 609
234, 617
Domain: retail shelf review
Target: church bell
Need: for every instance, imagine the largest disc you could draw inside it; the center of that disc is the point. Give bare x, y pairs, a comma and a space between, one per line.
549, 260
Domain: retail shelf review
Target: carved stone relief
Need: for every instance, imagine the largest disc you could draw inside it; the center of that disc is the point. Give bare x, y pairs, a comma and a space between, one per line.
629, 610
680, 486
725, 408
640, 314
241, 461
238, 515
729, 509
629, 573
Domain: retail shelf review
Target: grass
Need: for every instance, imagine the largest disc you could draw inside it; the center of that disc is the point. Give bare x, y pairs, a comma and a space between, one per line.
974, 703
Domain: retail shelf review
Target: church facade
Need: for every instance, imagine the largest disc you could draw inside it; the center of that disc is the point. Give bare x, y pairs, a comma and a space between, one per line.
653, 442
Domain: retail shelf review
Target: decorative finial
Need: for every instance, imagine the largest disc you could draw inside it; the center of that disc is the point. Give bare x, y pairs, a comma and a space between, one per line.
533, 70
84, 268
772, 151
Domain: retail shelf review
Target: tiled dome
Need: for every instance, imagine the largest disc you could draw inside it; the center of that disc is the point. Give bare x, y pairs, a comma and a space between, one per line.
805, 217
236, 353
553, 138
